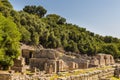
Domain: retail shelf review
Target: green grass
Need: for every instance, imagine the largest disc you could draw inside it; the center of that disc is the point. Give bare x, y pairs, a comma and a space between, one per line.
114, 78
79, 71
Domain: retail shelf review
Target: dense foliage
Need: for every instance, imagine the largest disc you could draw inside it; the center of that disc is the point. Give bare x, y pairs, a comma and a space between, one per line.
52, 31
9, 36
9, 42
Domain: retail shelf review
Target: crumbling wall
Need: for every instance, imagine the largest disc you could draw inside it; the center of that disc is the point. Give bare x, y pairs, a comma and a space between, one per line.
5, 76
72, 65
94, 75
51, 60
47, 53
101, 58
19, 65
94, 62
112, 61
38, 63
62, 66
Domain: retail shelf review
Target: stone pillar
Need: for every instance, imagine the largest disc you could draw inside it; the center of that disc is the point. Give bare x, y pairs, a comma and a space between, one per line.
101, 59
50, 69
107, 60
59, 65
86, 64
112, 60
45, 67
55, 67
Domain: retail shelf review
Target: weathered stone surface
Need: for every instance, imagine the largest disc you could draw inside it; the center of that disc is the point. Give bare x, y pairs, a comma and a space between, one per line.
5, 76
112, 60
50, 66
38, 63
52, 60
72, 65
83, 64
47, 53
66, 65
95, 75
94, 62
19, 62
19, 65
107, 59
101, 58
60, 65
117, 72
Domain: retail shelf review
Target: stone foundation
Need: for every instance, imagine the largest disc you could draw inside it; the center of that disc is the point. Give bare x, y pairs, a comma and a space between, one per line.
92, 75
95, 75
5, 76
19, 65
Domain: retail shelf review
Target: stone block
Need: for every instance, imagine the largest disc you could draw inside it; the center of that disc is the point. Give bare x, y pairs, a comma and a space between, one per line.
72, 65
107, 60
38, 63
83, 64
5, 76
47, 53
101, 58
112, 61
94, 62
62, 66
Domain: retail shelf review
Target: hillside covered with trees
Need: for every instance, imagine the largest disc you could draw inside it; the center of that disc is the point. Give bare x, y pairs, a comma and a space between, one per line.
33, 26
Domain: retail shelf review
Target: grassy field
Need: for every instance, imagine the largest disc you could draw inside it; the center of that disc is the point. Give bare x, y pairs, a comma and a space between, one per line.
79, 71
113, 78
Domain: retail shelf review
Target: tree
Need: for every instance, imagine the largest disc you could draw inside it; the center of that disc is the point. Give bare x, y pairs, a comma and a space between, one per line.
25, 35
37, 10
55, 19
6, 3
111, 49
9, 42
72, 46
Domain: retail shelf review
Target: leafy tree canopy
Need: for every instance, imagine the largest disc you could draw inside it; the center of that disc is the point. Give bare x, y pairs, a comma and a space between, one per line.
37, 10
9, 41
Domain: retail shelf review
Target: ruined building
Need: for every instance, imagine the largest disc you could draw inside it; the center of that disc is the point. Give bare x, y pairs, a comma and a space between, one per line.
53, 61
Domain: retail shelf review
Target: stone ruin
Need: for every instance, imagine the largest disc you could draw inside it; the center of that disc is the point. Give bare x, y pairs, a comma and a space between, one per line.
46, 59
117, 71
53, 61
19, 65
102, 60
27, 52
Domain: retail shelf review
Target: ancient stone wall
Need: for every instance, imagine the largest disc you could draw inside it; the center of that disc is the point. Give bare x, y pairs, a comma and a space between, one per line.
50, 66
73, 65
47, 53
94, 62
101, 58
93, 75
112, 59
5, 76
107, 59
62, 66
38, 63
83, 64
19, 65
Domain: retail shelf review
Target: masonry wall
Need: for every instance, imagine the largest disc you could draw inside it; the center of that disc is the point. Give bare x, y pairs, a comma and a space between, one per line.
5, 76
95, 75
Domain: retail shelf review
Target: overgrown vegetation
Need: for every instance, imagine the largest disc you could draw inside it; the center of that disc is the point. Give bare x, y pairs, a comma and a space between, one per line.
52, 31
9, 42
78, 72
